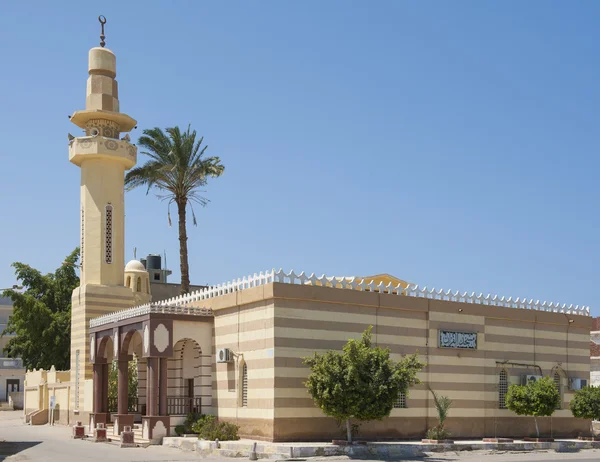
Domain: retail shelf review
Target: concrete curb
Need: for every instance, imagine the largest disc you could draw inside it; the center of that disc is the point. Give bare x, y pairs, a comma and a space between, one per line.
370, 450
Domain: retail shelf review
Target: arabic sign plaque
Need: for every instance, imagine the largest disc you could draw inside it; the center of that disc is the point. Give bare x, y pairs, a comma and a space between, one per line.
465, 340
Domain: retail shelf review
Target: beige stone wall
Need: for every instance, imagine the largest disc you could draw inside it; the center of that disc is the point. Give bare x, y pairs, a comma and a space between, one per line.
244, 323
311, 319
273, 327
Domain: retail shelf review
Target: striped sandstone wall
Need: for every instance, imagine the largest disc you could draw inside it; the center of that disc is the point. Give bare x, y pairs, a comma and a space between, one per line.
243, 322
272, 327
89, 302
309, 318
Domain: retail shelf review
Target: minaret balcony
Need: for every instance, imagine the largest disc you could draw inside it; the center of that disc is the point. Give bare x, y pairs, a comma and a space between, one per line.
100, 147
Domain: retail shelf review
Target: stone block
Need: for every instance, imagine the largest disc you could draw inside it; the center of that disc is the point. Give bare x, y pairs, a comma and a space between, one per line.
78, 431
100, 433
127, 438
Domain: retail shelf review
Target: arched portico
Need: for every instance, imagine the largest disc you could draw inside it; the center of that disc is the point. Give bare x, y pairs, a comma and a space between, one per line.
168, 344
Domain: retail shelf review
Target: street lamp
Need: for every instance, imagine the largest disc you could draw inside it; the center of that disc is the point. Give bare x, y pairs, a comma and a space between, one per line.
14, 287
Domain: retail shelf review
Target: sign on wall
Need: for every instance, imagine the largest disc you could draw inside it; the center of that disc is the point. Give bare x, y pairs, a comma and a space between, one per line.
451, 339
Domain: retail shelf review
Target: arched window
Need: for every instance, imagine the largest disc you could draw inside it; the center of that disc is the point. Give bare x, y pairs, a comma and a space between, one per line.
244, 385
559, 388
108, 234
128, 282
502, 389
139, 284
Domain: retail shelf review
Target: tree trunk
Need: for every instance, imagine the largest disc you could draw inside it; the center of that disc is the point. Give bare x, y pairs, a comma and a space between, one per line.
349, 431
592, 427
536, 426
183, 250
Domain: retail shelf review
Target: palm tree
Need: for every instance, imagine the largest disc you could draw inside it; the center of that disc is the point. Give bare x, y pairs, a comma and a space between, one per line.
177, 168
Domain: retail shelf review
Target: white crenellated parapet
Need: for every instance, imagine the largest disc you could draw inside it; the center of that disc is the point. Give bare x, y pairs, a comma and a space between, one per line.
424, 292
177, 305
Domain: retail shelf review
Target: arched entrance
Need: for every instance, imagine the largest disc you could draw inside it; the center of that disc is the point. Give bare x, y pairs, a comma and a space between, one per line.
184, 378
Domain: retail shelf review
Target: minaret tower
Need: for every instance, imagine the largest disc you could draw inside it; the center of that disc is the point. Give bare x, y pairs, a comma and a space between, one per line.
103, 157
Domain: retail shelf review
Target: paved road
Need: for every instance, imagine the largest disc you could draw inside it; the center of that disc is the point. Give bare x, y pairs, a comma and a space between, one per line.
23, 443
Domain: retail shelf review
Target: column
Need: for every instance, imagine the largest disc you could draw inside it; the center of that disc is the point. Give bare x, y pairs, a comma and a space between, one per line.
98, 388
104, 407
152, 386
123, 382
162, 399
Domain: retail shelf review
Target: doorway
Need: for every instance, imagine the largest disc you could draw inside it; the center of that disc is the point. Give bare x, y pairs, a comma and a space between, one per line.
11, 386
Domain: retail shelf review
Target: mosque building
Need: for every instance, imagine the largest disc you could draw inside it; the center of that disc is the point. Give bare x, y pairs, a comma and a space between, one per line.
235, 350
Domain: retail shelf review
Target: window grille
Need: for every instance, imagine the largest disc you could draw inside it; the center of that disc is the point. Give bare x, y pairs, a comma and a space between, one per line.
502, 389
244, 385
557, 382
108, 246
401, 401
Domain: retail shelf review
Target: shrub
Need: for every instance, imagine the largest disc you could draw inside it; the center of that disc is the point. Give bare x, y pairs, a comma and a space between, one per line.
208, 428
180, 430
438, 433
190, 420
202, 421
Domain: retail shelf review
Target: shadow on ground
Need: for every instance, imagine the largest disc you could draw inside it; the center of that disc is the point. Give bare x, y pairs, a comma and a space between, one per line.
10, 448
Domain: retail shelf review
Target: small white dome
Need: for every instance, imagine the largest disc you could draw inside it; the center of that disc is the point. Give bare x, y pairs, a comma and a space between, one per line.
134, 265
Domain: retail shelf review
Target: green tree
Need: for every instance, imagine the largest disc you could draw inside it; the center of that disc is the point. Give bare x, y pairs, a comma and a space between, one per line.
586, 405
539, 398
177, 168
132, 376
361, 382
41, 317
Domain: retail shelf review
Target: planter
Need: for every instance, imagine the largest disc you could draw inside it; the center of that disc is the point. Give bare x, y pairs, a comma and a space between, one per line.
539, 440
426, 441
498, 440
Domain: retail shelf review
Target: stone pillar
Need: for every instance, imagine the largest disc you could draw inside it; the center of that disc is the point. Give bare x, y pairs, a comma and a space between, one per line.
152, 387
123, 385
98, 388
162, 398
104, 388
100, 399
123, 418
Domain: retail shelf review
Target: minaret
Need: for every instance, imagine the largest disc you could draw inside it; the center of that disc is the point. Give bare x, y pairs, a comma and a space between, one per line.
103, 157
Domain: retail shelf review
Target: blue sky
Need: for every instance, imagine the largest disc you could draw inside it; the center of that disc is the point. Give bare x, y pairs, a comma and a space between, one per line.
452, 144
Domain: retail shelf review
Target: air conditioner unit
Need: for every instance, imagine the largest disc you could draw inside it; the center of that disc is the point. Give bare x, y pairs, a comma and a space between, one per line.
577, 384
525, 379
224, 355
